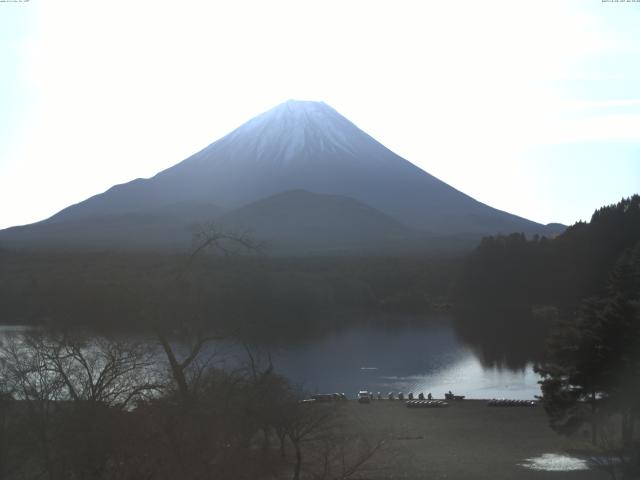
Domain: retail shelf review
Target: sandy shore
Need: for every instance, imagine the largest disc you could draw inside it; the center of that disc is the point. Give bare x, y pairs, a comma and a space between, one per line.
467, 440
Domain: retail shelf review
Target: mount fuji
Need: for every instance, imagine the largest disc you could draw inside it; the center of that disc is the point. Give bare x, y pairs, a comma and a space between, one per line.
299, 167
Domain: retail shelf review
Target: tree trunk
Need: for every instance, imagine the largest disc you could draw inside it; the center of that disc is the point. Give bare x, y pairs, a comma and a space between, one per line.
628, 420
175, 447
266, 444
46, 452
594, 426
296, 471
282, 439
177, 371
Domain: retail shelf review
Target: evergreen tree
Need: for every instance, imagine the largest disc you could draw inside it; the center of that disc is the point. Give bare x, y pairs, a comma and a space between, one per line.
593, 369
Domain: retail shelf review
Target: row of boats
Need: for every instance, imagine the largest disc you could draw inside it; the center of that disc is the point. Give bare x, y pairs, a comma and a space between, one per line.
426, 403
422, 402
504, 402
419, 402
365, 397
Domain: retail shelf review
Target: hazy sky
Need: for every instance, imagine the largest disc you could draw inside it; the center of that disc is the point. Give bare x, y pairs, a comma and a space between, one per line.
529, 106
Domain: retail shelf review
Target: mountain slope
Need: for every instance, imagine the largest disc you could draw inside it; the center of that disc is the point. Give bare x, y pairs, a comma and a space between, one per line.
169, 227
307, 146
310, 222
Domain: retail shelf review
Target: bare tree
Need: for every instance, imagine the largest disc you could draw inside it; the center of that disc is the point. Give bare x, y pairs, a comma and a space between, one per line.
74, 392
326, 447
305, 424
113, 372
192, 332
28, 377
341, 455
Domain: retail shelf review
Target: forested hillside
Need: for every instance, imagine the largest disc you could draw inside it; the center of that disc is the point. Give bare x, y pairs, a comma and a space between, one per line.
513, 270
257, 294
512, 291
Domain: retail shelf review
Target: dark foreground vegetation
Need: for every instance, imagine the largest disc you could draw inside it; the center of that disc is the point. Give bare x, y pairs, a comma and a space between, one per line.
102, 408
99, 407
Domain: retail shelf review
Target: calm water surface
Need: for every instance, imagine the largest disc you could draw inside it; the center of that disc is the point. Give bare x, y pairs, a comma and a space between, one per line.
407, 358
399, 358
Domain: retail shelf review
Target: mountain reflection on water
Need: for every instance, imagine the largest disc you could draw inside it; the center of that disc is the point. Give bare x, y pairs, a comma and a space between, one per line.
429, 356
507, 338
436, 354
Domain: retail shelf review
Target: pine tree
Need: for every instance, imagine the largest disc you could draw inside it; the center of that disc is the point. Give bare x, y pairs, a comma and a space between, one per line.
594, 361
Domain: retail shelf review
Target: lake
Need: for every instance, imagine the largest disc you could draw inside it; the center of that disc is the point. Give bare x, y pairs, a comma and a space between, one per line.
404, 357
399, 356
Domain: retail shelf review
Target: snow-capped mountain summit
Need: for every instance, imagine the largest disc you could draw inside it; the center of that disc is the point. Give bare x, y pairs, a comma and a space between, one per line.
295, 134
298, 145
285, 132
